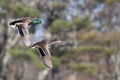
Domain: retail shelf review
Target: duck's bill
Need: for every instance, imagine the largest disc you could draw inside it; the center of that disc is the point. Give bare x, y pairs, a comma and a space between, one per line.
45, 58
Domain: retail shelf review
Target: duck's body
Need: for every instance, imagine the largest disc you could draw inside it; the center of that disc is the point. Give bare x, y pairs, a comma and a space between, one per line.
22, 26
43, 50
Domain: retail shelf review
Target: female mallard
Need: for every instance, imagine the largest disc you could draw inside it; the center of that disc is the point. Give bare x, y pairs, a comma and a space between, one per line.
43, 50
22, 26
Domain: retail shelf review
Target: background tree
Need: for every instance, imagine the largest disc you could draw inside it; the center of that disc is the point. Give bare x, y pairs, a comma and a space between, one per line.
89, 30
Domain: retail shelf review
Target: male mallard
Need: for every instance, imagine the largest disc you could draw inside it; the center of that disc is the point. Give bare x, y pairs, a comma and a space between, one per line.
22, 26
43, 50
25, 20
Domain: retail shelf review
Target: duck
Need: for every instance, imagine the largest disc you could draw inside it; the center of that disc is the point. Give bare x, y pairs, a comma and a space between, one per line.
42, 47
22, 27
27, 20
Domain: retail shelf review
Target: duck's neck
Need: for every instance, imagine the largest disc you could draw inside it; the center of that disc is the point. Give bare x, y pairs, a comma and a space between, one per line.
36, 21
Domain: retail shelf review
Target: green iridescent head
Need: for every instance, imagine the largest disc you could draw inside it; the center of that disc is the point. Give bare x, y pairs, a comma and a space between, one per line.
37, 21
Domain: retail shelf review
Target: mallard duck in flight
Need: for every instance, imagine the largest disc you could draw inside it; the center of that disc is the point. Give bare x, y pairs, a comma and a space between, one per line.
22, 26
43, 50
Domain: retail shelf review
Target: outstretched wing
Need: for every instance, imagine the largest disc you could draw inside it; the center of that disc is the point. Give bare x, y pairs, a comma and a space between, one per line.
24, 33
40, 43
18, 21
46, 57
54, 42
27, 20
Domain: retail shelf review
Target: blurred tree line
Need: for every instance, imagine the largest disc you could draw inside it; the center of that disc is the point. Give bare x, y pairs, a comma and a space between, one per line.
89, 30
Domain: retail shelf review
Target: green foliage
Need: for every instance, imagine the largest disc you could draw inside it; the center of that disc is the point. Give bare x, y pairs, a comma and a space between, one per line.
109, 51
87, 68
20, 10
58, 6
88, 49
109, 1
89, 36
22, 52
92, 4
60, 25
39, 65
54, 6
56, 62
82, 23
111, 38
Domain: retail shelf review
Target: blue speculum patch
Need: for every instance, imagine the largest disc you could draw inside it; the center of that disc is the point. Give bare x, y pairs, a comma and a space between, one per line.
41, 52
21, 31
